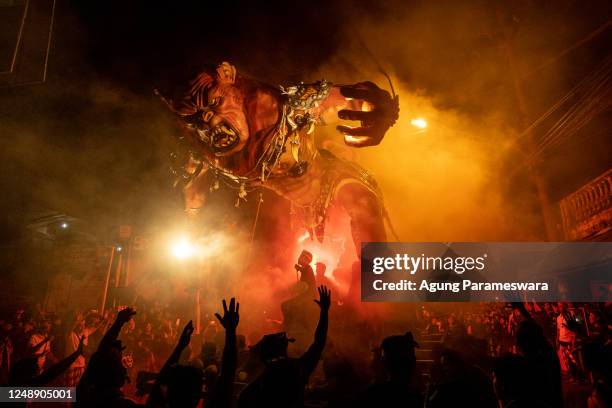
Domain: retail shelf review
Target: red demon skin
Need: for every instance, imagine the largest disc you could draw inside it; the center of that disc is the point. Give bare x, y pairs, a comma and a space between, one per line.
253, 110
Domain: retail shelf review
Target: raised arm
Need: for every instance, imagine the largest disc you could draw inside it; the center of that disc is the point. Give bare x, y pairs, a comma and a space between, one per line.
112, 333
181, 345
521, 308
312, 356
156, 398
104, 348
222, 394
57, 369
575, 327
34, 349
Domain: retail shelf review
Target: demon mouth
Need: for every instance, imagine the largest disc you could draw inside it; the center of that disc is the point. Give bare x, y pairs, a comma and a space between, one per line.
220, 138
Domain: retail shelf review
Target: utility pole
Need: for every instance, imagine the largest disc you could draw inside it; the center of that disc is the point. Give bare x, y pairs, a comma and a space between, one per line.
109, 270
534, 172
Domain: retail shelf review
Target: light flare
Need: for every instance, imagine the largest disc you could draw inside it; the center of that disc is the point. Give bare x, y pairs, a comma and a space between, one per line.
353, 139
419, 123
183, 249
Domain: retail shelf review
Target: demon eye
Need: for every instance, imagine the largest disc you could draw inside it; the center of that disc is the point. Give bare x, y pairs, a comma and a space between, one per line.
207, 116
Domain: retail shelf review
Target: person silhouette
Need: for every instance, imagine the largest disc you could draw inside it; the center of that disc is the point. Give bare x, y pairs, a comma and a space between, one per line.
283, 380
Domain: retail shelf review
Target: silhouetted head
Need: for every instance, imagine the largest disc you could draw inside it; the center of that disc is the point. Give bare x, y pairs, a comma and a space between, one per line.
273, 346
93, 319
79, 328
184, 386
529, 337
305, 258
320, 269
398, 354
45, 326
457, 383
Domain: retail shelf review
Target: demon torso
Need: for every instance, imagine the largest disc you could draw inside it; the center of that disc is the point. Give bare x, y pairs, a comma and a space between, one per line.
249, 134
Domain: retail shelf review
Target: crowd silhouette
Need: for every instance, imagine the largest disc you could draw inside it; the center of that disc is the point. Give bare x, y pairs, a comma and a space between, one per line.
493, 355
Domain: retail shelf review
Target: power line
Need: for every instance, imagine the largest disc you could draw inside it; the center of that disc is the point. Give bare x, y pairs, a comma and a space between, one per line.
571, 48
588, 105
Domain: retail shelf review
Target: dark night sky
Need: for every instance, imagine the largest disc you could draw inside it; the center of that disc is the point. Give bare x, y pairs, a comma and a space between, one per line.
94, 130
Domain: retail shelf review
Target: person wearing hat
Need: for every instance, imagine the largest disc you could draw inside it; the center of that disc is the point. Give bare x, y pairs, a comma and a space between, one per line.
398, 357
283, 380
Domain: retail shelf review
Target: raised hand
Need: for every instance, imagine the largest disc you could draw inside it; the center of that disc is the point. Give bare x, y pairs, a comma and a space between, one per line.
230, 316
571, 324
185, 338
125, 315
520, 306
375, 122
324, 301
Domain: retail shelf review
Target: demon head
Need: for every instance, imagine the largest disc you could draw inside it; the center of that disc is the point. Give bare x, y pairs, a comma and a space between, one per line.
223, 110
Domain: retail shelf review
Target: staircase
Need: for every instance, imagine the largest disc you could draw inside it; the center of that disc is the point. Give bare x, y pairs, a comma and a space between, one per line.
426, 354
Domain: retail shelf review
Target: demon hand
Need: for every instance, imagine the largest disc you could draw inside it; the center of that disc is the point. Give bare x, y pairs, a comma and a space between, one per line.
379, 112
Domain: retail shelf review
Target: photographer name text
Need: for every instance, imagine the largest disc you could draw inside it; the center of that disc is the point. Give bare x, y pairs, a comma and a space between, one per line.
455, 287
454, 266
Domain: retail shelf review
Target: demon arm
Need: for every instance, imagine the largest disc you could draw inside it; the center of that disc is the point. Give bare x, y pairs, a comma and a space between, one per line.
364, 102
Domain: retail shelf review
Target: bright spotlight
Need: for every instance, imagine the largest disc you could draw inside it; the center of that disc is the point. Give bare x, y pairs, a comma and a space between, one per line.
182, 249
64, 225
119, 248
419, 123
